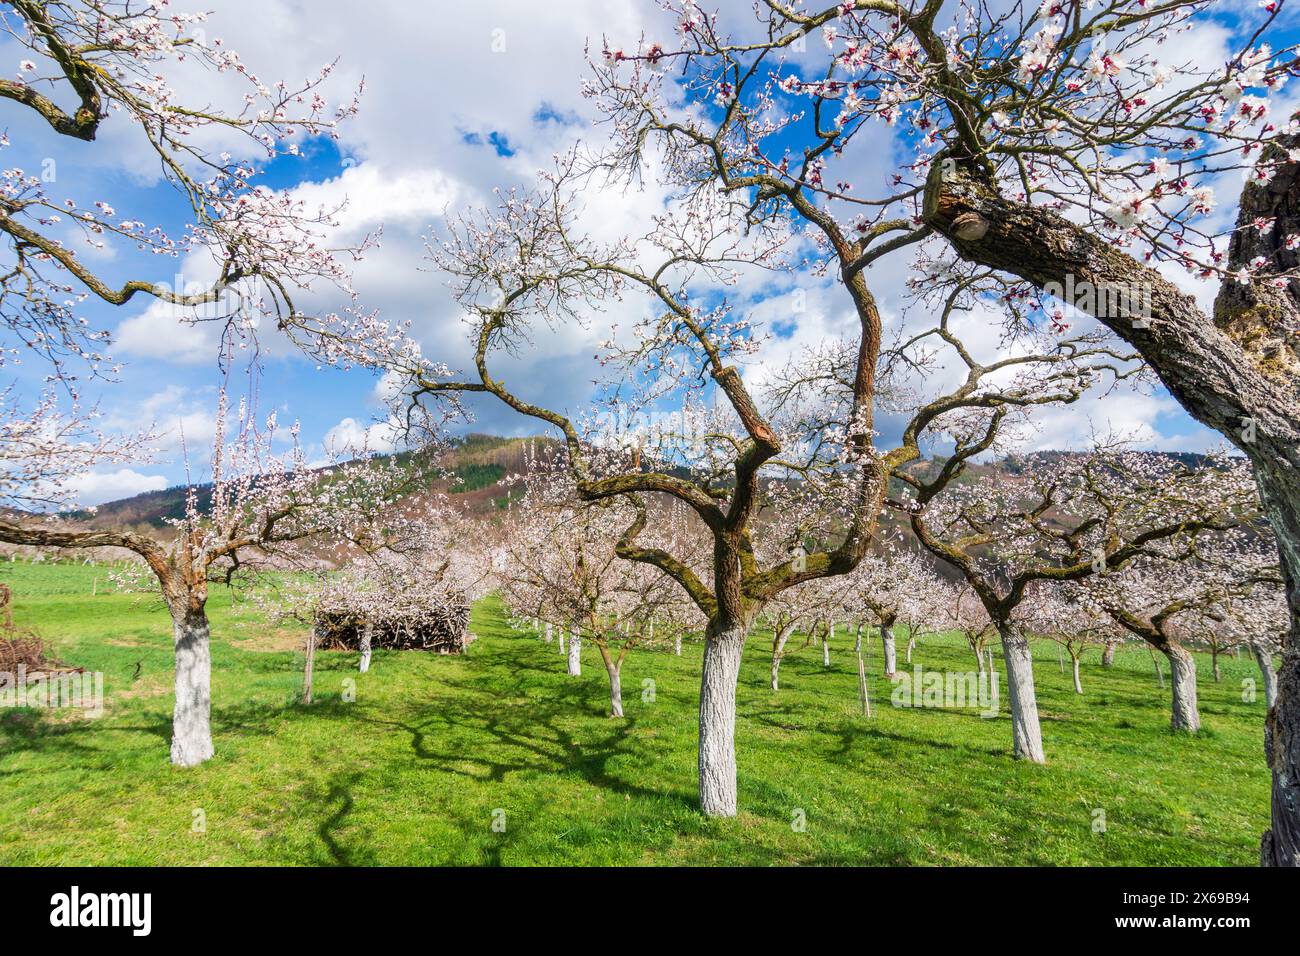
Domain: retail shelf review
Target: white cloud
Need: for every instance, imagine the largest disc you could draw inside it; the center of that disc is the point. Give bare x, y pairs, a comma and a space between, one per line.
95, 488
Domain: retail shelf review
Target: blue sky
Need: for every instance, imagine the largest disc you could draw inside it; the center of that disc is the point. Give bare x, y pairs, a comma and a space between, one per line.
461, 99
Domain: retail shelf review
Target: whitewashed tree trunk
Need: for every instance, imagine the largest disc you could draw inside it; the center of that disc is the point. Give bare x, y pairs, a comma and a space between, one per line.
911, 646
575, 653
561, 642
548, 632
778, 651
309, 667
1182, 678
1026, 733
615, 690
891, 651
826, 652
1214, 665
717, 759
1078, 687
863, 693
1108, 655
677, 644
192, 716
1264, 658
367, 633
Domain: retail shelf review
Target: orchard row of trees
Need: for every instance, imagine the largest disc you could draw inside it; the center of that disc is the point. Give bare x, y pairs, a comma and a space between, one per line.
1159, 553
1038, 151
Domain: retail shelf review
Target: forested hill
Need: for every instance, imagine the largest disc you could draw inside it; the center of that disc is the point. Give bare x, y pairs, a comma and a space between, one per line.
480, 465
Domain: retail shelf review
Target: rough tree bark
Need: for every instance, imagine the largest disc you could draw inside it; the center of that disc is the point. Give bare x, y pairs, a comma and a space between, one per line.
1025, 730
191, 718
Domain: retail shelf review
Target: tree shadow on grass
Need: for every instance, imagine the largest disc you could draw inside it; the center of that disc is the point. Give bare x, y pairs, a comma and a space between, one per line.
529, 736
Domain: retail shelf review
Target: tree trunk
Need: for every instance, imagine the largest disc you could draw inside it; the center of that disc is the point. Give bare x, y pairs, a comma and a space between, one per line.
891, 653
1279, 486
1214, 665
192, 716
826, 651
575, 653
1025, 730
367, 633
615, 690
548, 632
723, 647
778, 651
309, 666
1078, 687
561, 642
911, 645
1264, 658
1108, 655
1182, 678
677, 645
863, 692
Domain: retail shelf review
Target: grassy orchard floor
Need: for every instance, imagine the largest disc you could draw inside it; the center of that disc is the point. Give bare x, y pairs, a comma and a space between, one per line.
411, 772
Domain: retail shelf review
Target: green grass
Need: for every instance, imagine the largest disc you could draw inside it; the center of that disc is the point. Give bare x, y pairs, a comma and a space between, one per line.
413, 770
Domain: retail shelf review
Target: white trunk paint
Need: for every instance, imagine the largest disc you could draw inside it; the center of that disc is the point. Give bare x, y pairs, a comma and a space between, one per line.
1026, 732
191, 719
615, 691
1078, 687
826, 653
548, 632
717, 761
575, 653
911, 645
864, 694
561, 641
778, 651
1108, 655
1182, 677
891, 652
677, 645
309, 667
367, 633
1264, 658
